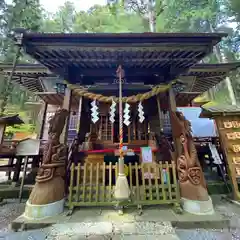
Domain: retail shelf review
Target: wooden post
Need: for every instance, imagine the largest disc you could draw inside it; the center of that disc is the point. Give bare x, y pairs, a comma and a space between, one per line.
43, 120
2, 130
159, 112
66, 105
23, 178
173, 108
129, 134
79, 114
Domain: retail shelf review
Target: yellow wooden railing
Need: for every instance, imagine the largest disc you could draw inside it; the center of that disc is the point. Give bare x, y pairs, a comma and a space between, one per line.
150, 183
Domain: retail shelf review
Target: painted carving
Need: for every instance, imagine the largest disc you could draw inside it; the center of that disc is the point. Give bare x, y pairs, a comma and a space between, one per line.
190, 174
49, 185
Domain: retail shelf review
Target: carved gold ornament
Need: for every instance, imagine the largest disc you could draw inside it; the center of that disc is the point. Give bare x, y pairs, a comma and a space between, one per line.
236, 148
235, 124
227, 124
236, 160
231, 124
238, 171
233, 136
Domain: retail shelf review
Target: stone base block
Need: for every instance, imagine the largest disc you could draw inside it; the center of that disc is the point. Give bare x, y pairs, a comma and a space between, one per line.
38, 212
198, 207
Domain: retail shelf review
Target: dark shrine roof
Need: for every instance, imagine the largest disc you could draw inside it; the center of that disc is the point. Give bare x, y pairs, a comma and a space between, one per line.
11, 120
198, 79
211, 110
88, 58
208, 75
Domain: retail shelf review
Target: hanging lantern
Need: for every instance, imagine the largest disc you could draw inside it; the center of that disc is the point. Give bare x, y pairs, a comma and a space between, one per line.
60, 88
178, 86
112, 112
126, 115
94, 110
140, 112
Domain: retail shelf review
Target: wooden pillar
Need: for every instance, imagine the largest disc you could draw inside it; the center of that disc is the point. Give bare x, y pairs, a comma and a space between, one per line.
2, 130
173, 108
43, 120
79, 114
66, 105
159, 112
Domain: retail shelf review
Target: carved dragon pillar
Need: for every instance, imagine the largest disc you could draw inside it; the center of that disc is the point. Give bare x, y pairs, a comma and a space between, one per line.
49, 186
193, 190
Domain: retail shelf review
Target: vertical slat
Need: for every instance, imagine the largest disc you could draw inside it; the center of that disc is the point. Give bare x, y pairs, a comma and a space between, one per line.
168, 182
91, 182
71, 185
134, 129
174, 178
162, 181
106, 127
97, 182
139, 130
130, 176
112, 127
110, 181
129, 133
78, 181
156, 181
116, 172
103, 181
145, 130
150, 182
143, 181
100, 128
137, 181
84, 180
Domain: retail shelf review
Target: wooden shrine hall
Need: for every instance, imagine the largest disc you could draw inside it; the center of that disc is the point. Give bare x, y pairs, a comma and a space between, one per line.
120, 87
38, 79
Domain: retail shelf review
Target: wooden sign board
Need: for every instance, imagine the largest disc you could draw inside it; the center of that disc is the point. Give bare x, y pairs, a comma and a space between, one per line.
28, 147
229, 133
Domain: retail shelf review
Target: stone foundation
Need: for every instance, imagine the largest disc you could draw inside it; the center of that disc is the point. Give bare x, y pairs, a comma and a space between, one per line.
38, 212
198, 207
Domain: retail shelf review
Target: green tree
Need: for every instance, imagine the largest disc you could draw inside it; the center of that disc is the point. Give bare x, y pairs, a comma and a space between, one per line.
19, 14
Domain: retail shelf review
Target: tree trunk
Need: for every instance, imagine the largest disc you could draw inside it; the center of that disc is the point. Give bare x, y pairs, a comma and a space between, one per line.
151, 16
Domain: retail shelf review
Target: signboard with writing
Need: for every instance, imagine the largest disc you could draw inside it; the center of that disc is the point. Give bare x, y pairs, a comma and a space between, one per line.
229, 131
28, 147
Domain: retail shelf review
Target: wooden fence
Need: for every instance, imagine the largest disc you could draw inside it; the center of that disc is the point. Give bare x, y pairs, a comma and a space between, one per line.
150, 183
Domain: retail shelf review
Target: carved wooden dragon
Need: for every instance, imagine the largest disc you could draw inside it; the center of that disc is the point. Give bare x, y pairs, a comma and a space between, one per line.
190, 174
52, 170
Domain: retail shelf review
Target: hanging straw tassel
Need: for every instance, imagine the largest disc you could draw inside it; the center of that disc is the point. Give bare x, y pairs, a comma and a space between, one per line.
122, 191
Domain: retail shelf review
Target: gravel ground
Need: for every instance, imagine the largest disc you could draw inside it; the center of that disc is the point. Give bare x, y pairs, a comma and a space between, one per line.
59, 232
13, 209
9, 212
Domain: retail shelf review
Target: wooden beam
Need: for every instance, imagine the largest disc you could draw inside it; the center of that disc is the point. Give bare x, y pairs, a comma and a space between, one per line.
43, 120
159, 112
66, 105
173, 108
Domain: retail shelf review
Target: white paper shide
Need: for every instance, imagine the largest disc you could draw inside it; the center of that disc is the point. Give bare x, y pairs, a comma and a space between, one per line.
94, 110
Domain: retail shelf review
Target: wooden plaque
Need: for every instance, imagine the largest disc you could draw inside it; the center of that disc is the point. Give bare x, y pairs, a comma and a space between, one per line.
28, 147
